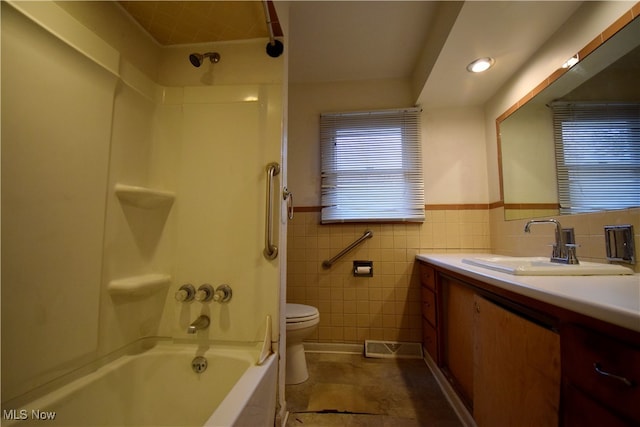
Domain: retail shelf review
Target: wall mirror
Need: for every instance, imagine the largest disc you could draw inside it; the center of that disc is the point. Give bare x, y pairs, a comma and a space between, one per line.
526, 150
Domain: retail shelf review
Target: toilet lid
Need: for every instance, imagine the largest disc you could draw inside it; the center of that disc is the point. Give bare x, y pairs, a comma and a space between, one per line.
300, 312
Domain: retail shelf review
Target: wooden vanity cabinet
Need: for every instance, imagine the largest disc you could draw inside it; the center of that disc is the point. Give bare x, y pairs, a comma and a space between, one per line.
428, 291
457, 301
516, 368
514, 360
504, 367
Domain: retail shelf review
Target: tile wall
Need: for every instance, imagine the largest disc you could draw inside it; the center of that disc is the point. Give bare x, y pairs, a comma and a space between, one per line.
508, 237
387, 305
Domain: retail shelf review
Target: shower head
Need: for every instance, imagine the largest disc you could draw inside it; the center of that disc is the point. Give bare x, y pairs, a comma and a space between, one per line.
196, 59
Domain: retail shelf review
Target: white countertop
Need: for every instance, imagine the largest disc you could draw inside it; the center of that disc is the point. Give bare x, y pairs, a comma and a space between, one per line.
613, 299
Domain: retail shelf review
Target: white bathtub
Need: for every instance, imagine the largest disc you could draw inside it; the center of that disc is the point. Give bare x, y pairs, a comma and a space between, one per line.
159, 388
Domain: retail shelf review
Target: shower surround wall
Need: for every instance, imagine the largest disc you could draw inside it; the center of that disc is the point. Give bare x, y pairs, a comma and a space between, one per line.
77, 119
227, 141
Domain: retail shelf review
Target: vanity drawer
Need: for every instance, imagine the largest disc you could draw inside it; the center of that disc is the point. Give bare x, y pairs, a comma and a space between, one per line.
584, 352
428, 276
429, 305
582, 411
430, 340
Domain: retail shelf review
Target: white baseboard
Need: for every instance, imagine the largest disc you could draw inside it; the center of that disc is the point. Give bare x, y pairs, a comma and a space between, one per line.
321, 347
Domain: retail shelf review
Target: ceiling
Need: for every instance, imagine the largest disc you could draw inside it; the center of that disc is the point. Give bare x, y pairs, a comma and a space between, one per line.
187, 22
351, 40
430, 41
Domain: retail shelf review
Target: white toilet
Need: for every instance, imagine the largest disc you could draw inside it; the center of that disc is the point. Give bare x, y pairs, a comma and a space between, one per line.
302, 320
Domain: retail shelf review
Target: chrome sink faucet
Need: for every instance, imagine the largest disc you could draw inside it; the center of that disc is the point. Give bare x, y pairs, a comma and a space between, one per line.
562, 251
200, 323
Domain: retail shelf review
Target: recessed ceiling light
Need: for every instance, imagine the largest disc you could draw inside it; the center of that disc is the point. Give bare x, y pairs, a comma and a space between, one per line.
571, 62
480, 65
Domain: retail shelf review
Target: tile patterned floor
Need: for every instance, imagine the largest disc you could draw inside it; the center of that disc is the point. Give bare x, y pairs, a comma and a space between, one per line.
357, 391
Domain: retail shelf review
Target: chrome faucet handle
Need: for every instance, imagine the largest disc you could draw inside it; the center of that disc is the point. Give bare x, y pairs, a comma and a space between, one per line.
572, 258
186, 293
558, 252
205, 293
222, 294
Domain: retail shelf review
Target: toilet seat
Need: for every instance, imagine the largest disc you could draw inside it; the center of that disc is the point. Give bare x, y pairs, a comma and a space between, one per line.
299, 313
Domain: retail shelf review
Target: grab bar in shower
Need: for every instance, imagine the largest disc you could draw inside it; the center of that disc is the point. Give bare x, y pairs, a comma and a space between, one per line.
328, 263
270, 250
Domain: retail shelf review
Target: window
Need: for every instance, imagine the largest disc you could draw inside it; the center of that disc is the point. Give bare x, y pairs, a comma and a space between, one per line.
597, 155
371, 166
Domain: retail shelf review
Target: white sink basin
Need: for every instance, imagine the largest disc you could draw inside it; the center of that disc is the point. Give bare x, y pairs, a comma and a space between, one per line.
541, 266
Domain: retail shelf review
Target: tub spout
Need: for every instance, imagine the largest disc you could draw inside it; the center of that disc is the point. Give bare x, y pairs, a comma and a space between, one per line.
201, 322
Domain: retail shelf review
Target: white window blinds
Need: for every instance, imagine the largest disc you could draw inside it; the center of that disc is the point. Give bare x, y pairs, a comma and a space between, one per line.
371, 166
597, 155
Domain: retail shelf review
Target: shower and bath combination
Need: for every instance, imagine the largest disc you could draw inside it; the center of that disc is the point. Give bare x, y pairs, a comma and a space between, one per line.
197, 59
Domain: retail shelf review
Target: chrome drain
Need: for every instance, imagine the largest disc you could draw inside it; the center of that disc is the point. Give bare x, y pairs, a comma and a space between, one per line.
199, 364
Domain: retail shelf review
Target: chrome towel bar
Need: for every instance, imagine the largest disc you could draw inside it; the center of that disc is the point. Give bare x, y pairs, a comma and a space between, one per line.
328, 263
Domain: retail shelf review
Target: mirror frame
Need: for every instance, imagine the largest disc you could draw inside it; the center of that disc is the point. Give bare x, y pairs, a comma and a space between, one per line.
630, 15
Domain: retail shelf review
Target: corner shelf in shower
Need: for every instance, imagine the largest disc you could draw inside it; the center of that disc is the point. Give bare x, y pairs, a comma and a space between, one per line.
139, 285
143, 197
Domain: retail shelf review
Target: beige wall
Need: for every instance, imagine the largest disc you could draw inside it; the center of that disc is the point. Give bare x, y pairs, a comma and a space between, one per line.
387, 305
460, 172
454, 156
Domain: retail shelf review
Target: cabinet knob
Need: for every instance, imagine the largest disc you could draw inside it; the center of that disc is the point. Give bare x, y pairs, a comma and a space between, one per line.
477, 307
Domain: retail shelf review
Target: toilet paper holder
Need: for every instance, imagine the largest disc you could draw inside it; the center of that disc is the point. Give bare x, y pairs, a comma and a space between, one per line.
363, 268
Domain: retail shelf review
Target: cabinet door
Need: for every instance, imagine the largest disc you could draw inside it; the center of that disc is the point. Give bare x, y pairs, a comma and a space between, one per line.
458, 333
516, 369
